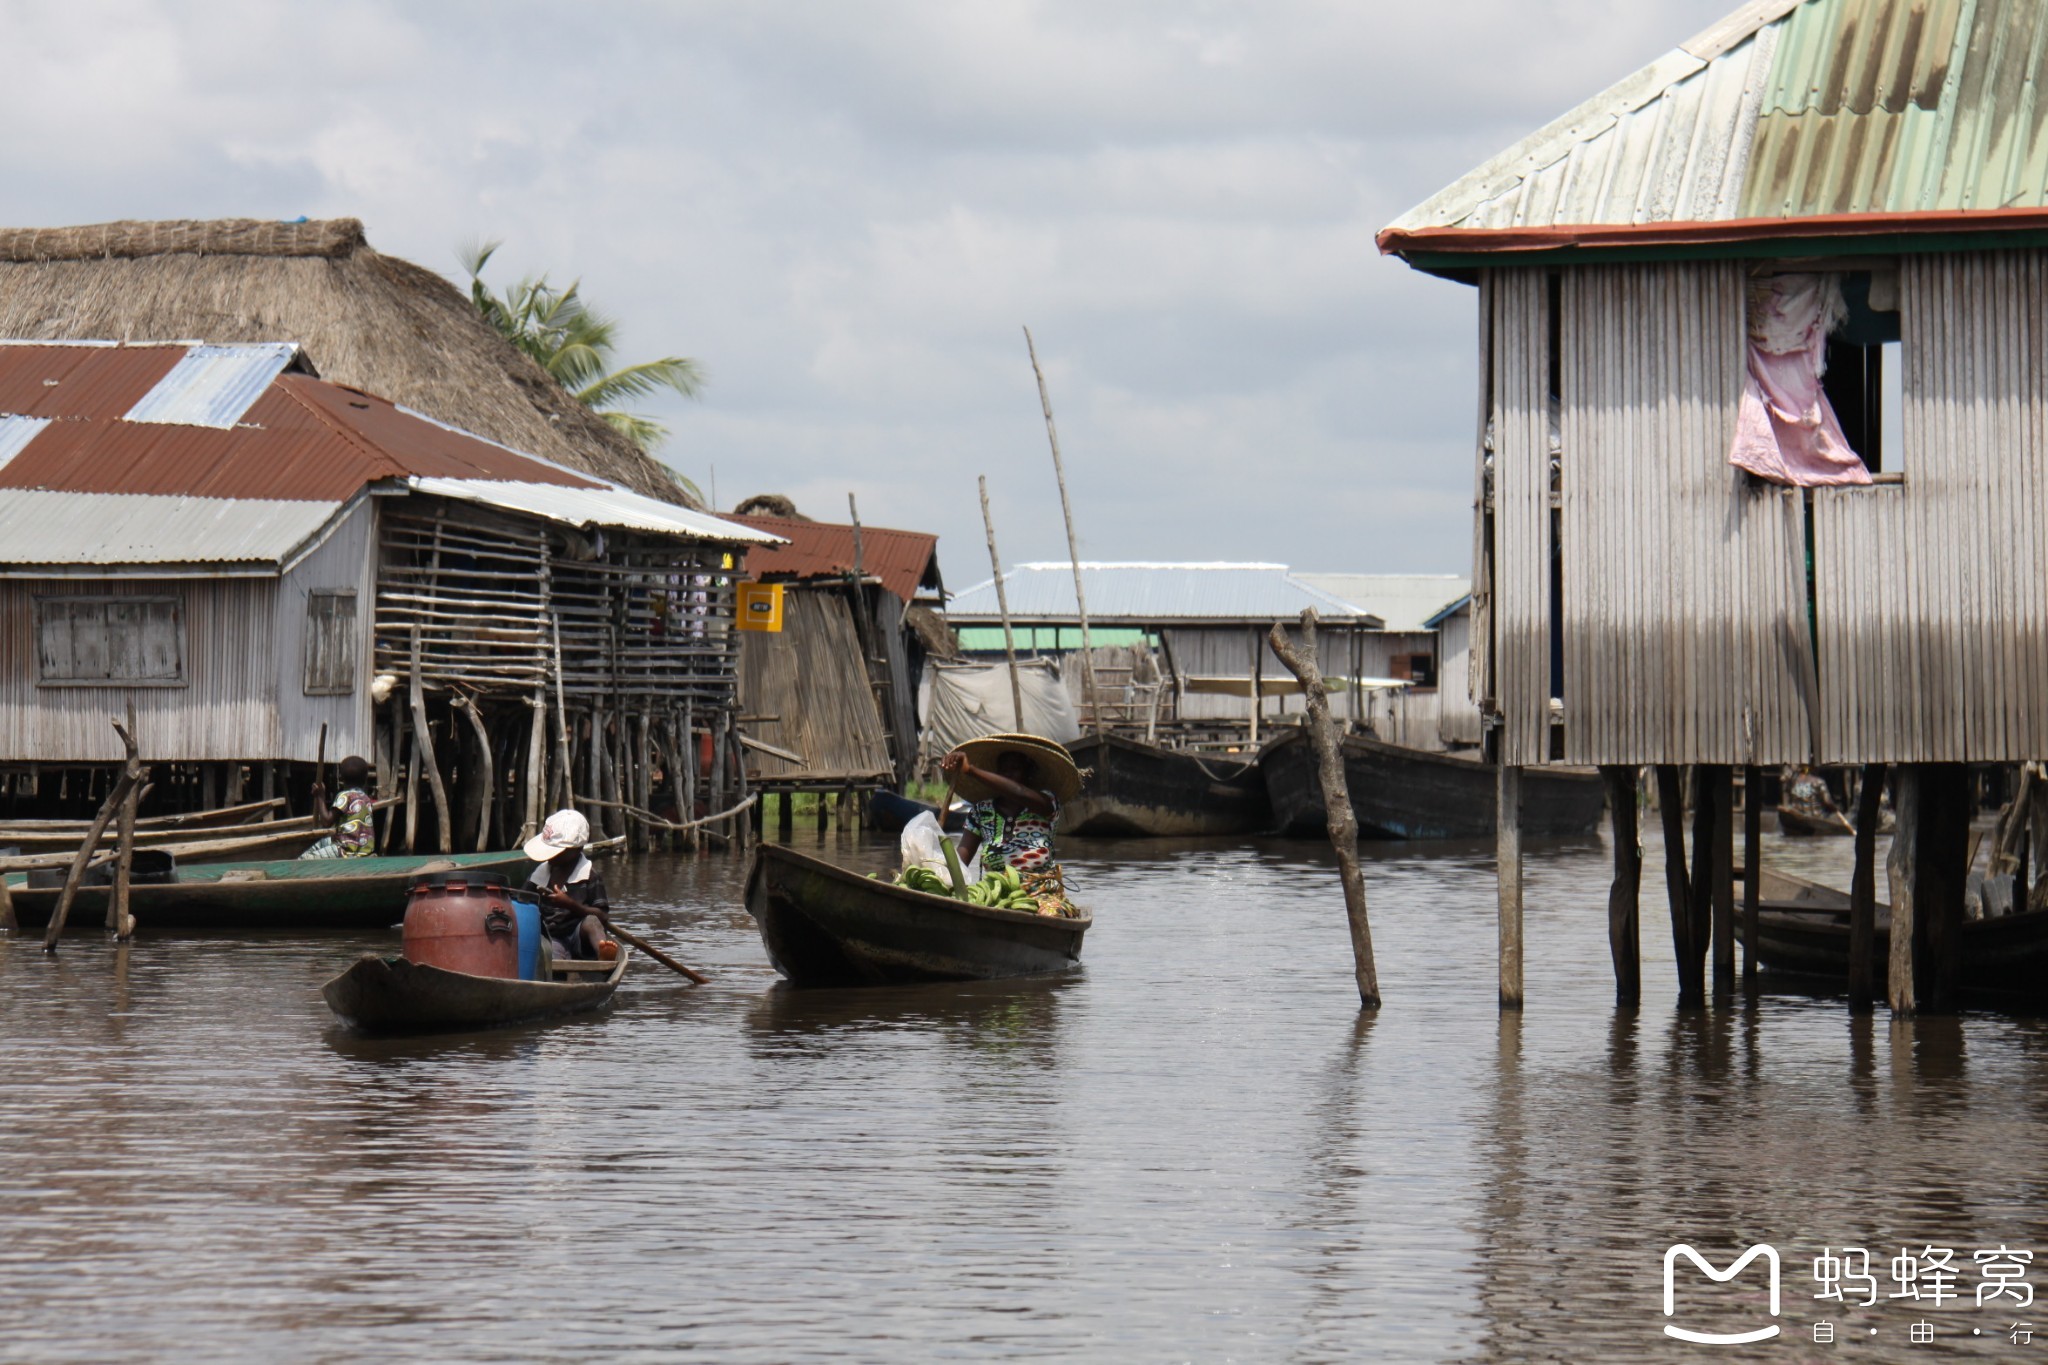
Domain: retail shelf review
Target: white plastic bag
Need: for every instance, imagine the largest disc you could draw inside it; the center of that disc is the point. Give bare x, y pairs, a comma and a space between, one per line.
924, 846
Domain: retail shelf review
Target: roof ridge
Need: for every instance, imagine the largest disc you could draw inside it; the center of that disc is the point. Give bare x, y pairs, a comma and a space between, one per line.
135, 238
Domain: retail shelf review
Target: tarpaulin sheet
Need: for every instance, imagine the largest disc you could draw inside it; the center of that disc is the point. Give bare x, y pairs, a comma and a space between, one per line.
964, 701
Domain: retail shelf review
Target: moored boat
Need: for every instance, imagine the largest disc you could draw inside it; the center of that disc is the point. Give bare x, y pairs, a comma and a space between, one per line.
890, 811
826, 926
325, 893
1400, 793
391, 994
1142, 789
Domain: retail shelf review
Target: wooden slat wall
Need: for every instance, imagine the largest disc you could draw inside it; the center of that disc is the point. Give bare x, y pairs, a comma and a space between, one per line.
1520, 365
810, 677
1934, 595
1686, 635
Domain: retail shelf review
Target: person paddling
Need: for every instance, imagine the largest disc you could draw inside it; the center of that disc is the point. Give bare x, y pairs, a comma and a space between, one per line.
572, 897
1017, 784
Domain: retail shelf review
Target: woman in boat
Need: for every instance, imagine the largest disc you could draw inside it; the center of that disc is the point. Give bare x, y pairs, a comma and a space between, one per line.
572, 895
1017, 784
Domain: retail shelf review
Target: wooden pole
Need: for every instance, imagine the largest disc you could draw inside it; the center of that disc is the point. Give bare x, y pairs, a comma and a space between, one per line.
487, 777
1255, 680
743, 829
1901, 990
1343, 820
1863, 894
8, 919
536, 767
424, 737
564, 759
1073, 546
118, 918
1677, 887
1706, 838
1942, 850
1720, 781
86, 848
995, 563
1508, 876
1624, 898
1752, 867
693, 761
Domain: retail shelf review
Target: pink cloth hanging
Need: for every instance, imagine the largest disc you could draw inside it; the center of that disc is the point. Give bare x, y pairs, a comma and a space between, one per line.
1786, 430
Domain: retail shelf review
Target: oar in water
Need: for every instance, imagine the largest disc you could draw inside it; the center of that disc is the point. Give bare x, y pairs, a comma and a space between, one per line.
634, 940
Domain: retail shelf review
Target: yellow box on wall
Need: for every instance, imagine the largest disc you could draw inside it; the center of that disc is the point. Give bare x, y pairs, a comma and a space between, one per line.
760, 607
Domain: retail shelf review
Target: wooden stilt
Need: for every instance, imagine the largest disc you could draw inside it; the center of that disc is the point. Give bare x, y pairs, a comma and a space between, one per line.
1624, 899
486, 778
1863, 894
785, 816
423, 739
536, 768
1752, 866
118, 919
692, 762
1705, 836
8, 920
1508, 873
1900, 987
747, 827
1942, 847
1677, 886
824, 814
1719, 780
86, 848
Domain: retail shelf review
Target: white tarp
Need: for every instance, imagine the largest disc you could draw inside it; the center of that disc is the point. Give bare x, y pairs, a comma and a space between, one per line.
964, 701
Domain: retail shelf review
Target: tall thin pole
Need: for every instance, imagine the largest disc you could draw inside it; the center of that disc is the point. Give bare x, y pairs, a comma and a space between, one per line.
995, 562
1073, 548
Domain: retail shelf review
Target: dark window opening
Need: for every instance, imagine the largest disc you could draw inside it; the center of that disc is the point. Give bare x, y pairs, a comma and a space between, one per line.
1860, 351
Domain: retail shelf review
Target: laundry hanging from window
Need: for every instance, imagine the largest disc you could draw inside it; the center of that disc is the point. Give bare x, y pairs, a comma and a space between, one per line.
1786, 430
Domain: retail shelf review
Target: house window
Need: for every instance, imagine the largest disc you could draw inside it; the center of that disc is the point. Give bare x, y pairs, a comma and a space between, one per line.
330, 642
110, 642
1418, 670
1865, 364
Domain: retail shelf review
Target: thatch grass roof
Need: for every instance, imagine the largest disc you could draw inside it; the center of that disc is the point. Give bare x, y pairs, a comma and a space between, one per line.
365, 319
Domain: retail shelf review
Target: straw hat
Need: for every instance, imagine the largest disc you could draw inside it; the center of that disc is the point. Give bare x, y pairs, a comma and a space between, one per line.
1056, 771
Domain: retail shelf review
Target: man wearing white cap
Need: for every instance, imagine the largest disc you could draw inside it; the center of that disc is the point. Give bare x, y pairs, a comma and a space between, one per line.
570, 888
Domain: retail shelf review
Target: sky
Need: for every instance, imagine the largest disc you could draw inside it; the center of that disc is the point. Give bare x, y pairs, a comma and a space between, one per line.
848, 212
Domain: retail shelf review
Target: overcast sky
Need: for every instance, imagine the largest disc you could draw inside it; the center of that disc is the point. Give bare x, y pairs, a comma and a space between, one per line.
846, 210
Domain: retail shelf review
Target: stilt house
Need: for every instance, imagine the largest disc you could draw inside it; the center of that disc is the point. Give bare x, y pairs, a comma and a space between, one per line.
1763, 340
254, 559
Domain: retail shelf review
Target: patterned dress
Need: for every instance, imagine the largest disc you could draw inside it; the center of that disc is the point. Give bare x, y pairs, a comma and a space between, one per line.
1020, 842
355, 831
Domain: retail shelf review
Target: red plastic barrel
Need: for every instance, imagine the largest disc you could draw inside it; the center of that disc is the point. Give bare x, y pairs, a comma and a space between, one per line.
462, 925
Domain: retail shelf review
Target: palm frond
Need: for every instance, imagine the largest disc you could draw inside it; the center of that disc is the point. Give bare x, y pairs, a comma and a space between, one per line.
644, 432
678, 373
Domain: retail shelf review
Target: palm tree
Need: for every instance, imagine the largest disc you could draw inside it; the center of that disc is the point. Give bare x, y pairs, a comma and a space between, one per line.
573, 342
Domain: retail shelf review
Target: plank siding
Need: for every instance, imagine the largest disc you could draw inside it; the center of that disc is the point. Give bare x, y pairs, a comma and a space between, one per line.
1685, 631
1520, 574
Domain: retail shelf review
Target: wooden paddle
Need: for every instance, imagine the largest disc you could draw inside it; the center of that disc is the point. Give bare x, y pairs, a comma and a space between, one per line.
556, 898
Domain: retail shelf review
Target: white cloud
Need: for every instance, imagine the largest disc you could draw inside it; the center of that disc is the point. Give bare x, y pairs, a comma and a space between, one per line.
847, 211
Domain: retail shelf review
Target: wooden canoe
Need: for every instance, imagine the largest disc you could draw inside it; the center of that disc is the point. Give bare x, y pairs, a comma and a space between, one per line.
889, 812
219, 818
1802, 824
826, 926
1400, 793
1803, 931
1142, 789
325, 893
393, 995
241, 843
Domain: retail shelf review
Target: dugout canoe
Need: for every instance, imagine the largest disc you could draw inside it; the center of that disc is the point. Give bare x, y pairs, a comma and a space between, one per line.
326, 893
1148, 791
1803, 931
1800, 824
826, 926
1400, 793
889, 812
394, 995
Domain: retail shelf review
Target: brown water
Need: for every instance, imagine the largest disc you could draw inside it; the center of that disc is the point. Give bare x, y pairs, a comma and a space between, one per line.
1190, 1149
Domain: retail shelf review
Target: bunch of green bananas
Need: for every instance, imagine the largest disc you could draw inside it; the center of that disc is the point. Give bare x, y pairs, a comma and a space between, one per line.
996, 890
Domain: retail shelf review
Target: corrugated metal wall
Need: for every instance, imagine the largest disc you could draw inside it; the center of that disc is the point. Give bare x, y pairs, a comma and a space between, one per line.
224, 710
1686, 636
1457, 716
1933, 595
342, 561
1521, 535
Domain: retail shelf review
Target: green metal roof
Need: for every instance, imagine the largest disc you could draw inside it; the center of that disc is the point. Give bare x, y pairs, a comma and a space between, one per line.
1789, 110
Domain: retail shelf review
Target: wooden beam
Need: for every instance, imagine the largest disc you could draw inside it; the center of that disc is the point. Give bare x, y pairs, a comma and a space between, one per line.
1508, 876
1624, 898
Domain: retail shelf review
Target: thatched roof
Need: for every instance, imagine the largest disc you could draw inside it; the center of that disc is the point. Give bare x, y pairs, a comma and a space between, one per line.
366, 320
770, 505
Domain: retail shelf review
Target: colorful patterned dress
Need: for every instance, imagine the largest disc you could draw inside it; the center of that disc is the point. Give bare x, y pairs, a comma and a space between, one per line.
1020, 842
355, 830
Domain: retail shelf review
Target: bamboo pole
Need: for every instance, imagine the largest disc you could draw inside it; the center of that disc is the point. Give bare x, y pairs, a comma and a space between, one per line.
1073, 546
563, 757
995, 564
536, 766
1624, 898
692, 764
1343, 820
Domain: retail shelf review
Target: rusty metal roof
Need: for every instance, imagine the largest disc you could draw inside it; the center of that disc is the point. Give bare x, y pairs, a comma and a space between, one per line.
904, 562
1820, 117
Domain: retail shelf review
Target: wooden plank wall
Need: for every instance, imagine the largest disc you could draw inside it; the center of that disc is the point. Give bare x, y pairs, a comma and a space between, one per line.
811, 678
1520, 366
1933, 595
1457, 716
1686, 635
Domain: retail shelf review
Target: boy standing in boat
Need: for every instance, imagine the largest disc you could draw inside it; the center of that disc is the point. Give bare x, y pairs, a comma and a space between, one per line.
1017, 784
572, 895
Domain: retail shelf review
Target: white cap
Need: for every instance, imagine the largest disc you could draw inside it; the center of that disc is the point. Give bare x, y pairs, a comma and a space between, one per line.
565, 829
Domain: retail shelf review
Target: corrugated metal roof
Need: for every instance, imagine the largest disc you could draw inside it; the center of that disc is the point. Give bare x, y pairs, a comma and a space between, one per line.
614, 508
213, 386
44, 379
1144, 593
1405, 602
1803, 110
903, 561
45, 529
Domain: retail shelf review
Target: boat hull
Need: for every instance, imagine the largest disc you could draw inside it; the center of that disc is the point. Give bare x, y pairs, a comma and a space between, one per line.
889, 812
1799, 825
1146, 791
336, 893
825, 926
1400, 793
392, 995
2004, 956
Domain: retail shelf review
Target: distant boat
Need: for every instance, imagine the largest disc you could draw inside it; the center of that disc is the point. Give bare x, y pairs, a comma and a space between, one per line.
826, 926
319, 893
1146, 790
890, 811
393, 995
1796, 823
1400, 793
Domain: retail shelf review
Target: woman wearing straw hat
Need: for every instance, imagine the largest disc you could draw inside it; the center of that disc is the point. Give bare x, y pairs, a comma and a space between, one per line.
1017, 784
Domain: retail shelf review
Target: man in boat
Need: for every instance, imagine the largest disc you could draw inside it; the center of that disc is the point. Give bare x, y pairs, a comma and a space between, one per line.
354, 831
1806, 793
572, 896
1017, 784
